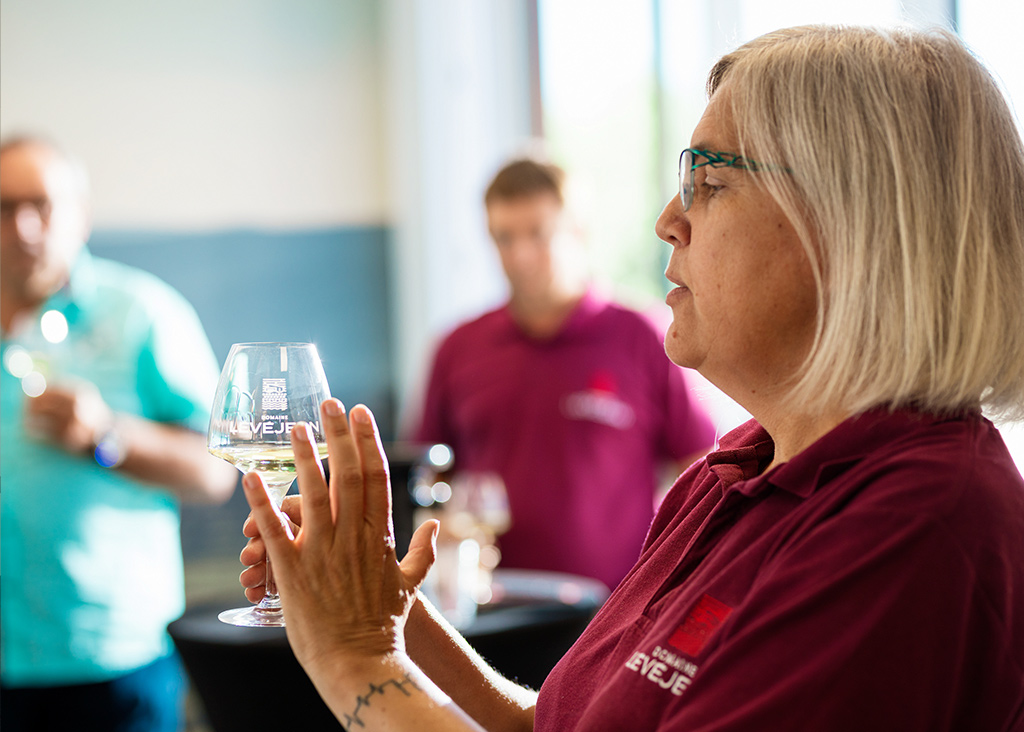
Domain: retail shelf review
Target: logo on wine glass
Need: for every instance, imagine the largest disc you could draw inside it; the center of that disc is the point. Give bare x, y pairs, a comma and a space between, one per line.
275, 395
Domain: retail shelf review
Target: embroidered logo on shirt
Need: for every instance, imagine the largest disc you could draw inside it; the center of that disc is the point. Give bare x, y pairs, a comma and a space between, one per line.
669, 668
700, 623
664, 668
602, 381
599, 403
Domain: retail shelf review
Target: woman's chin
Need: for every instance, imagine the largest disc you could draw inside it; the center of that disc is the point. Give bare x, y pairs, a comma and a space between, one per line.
679, 349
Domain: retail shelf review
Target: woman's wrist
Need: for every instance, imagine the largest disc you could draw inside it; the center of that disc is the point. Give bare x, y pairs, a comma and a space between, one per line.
353, 661
357, 687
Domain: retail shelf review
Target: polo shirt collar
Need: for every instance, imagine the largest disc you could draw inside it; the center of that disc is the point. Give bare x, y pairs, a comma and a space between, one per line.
742, 455
846, 445
585, 308
746, 450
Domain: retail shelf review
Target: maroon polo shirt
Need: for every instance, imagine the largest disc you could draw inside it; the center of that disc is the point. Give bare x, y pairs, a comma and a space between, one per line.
874, 582
578, 425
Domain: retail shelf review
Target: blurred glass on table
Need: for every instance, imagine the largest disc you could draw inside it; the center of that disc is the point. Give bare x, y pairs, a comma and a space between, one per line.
473, 510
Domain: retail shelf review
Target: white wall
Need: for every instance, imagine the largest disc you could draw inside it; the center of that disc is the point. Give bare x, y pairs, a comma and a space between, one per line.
197, 114
459, 104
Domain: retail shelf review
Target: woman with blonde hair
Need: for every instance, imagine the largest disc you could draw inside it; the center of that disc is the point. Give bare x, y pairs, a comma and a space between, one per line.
848, 262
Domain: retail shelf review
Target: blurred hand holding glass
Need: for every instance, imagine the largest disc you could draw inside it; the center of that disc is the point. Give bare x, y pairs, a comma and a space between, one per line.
264, 390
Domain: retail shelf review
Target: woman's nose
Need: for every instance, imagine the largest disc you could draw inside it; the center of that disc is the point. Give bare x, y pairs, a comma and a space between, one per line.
673, 227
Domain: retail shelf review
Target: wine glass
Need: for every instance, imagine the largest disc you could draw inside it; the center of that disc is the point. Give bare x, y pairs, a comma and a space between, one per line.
479, 500
265, 389
474, 511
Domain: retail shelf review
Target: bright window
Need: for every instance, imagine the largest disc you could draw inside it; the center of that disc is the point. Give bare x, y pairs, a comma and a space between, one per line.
600, 119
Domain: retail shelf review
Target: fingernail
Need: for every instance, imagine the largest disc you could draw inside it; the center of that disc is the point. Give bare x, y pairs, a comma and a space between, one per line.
308, 432
334, 408
298, 432
362, 416
250, 481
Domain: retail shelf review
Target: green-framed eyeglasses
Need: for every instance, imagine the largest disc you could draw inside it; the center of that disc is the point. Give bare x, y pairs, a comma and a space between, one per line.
688, 163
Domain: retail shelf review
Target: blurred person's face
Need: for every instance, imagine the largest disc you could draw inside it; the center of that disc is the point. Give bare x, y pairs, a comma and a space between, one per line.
43, 222
539, 251
743, 311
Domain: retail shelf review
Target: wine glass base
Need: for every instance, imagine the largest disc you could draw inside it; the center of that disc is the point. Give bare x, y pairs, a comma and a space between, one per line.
253, 617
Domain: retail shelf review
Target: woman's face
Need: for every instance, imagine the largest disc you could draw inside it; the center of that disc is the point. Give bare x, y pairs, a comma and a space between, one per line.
743, 311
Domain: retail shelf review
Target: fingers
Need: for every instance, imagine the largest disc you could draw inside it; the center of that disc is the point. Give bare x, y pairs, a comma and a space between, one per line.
255, 594
47, 414
72, 415
53, 401
275, 532
312, 485
346, 487
290, 507
421, 555
377, 488
254, 576
253, 552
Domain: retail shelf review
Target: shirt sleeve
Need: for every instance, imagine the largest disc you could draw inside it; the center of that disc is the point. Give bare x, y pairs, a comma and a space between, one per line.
178, 370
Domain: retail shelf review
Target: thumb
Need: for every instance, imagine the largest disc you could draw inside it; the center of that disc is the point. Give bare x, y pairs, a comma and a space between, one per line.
422, 553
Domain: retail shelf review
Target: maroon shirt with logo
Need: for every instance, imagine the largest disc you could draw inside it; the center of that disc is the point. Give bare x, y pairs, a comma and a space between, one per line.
578, 426
874, 582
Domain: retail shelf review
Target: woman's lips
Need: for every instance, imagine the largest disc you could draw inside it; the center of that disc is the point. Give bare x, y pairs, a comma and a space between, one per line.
676, 295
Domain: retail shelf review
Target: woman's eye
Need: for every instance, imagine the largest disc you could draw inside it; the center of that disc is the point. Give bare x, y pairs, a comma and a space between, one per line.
709, 187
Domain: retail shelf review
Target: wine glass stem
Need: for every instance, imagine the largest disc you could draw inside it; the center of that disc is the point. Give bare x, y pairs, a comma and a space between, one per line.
271, 602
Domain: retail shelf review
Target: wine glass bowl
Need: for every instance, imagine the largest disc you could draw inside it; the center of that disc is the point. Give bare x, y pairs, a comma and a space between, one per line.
264, 390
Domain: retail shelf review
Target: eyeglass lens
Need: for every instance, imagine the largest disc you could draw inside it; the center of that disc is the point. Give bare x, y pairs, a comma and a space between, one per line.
686, 179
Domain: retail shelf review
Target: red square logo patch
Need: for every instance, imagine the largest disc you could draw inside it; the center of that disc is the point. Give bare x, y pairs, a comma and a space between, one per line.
702, 621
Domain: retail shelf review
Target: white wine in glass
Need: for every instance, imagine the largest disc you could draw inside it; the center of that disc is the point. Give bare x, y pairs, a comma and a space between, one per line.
264, 390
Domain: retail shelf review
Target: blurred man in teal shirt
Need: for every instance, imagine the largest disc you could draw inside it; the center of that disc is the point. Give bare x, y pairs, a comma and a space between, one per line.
106, 390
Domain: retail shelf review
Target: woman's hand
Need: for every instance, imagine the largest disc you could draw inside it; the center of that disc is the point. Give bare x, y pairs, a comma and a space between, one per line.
345, 596
347, 599
254, 554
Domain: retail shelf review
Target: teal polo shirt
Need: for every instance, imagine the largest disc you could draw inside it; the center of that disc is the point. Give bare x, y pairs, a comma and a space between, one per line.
91, 559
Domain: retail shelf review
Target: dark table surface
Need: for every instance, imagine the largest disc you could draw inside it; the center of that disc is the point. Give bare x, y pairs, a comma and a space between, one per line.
248, 677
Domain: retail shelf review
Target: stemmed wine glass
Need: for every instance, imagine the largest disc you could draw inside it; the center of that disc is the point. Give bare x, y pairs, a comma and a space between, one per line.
265, 389
474, 511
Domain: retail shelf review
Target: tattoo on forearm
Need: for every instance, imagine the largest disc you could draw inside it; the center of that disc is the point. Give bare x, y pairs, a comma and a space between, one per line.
353, 719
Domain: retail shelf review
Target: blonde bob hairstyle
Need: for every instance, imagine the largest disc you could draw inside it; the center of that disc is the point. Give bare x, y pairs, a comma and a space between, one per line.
896, 157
